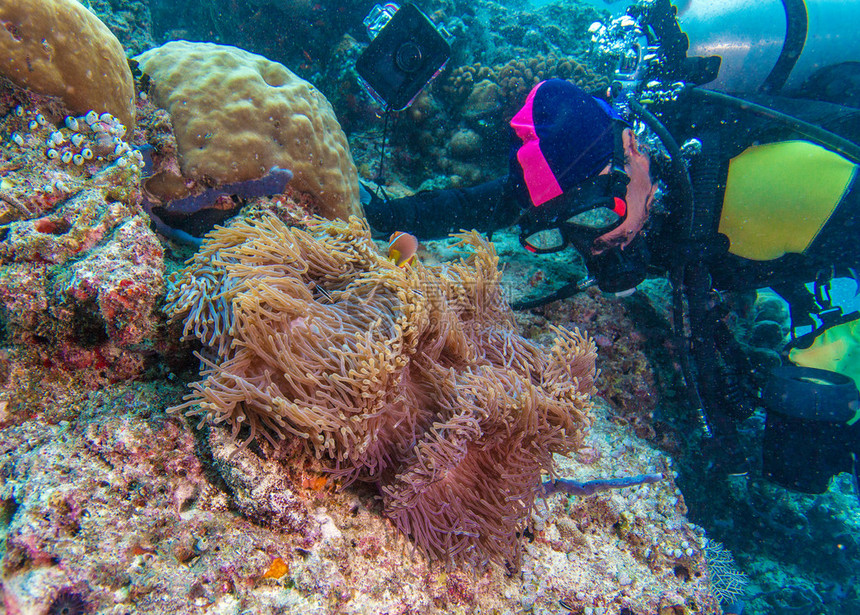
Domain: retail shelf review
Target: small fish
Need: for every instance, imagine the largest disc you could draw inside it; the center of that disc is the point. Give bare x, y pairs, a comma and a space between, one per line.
323, 291
401, 248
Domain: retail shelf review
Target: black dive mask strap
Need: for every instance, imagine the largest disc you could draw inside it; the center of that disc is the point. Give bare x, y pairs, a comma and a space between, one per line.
613, 191
619, 176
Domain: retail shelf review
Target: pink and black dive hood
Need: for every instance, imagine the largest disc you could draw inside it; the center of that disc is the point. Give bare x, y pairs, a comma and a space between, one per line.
563, 136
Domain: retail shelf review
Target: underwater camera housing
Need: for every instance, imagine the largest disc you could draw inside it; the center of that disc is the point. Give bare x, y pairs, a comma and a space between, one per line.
406, 52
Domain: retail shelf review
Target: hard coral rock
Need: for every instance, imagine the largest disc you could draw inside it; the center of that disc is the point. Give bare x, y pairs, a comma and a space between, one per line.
411, 379
80, 270
514, 79
121, 279
59, 48
237, 114
465, 143
259, 486
485, 98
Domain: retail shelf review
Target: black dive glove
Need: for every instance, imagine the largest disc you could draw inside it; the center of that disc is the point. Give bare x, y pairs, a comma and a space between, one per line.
435, 214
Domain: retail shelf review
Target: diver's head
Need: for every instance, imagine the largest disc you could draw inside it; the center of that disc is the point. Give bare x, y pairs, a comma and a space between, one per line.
639, 196
582, 180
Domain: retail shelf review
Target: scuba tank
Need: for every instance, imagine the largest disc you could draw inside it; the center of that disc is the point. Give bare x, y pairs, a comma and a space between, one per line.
740, 47
770, 46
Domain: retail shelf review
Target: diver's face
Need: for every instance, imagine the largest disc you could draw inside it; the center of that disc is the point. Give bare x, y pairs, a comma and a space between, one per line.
640, 195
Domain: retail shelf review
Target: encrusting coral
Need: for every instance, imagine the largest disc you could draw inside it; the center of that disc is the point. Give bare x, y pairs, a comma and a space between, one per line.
412, 379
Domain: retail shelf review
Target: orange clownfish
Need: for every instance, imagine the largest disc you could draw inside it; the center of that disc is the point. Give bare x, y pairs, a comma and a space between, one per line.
401, 248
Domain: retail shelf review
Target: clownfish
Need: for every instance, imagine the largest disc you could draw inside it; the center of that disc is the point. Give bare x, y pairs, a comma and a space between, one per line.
401, 248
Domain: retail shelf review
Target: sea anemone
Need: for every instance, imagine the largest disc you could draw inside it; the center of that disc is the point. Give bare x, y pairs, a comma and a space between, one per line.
69, 601
413, 379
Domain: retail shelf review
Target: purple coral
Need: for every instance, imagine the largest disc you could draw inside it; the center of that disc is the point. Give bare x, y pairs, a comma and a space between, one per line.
274, 182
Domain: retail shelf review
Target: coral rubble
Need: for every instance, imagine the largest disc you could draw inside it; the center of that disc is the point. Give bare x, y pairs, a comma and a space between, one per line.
410, 378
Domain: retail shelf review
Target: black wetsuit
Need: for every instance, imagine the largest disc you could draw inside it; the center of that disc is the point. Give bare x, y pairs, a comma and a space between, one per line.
435, 214
494, 205
726, 133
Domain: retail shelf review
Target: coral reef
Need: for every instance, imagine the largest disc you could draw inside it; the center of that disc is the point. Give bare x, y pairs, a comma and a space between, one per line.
514, 78
631, 344
236, 115
59, 48
107, 498
412, 378
785, 542
498, 49
778, 537
129, 20
339, 81
110, 505
80, 271
493, 32
299, 34
63, 189
660, 566
727, 580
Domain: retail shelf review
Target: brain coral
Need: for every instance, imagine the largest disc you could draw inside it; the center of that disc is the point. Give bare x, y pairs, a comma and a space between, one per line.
412, 379
237, 114
59, 48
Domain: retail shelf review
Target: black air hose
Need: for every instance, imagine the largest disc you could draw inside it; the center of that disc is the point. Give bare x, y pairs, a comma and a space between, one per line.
822, 136
681, 182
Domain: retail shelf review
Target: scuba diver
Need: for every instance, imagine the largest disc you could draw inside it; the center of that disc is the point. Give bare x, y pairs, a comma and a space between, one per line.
763, 192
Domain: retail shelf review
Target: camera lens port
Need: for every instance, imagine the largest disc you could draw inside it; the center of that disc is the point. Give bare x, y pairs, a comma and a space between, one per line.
409, 57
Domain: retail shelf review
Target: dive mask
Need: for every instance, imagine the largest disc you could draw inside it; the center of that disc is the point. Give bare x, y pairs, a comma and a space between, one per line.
579, 216
582, 213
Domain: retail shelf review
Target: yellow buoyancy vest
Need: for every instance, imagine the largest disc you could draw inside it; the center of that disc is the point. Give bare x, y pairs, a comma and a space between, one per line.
779, 196
836, 350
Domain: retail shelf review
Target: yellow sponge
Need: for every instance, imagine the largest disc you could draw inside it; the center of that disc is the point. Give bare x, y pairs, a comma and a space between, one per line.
59, 48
